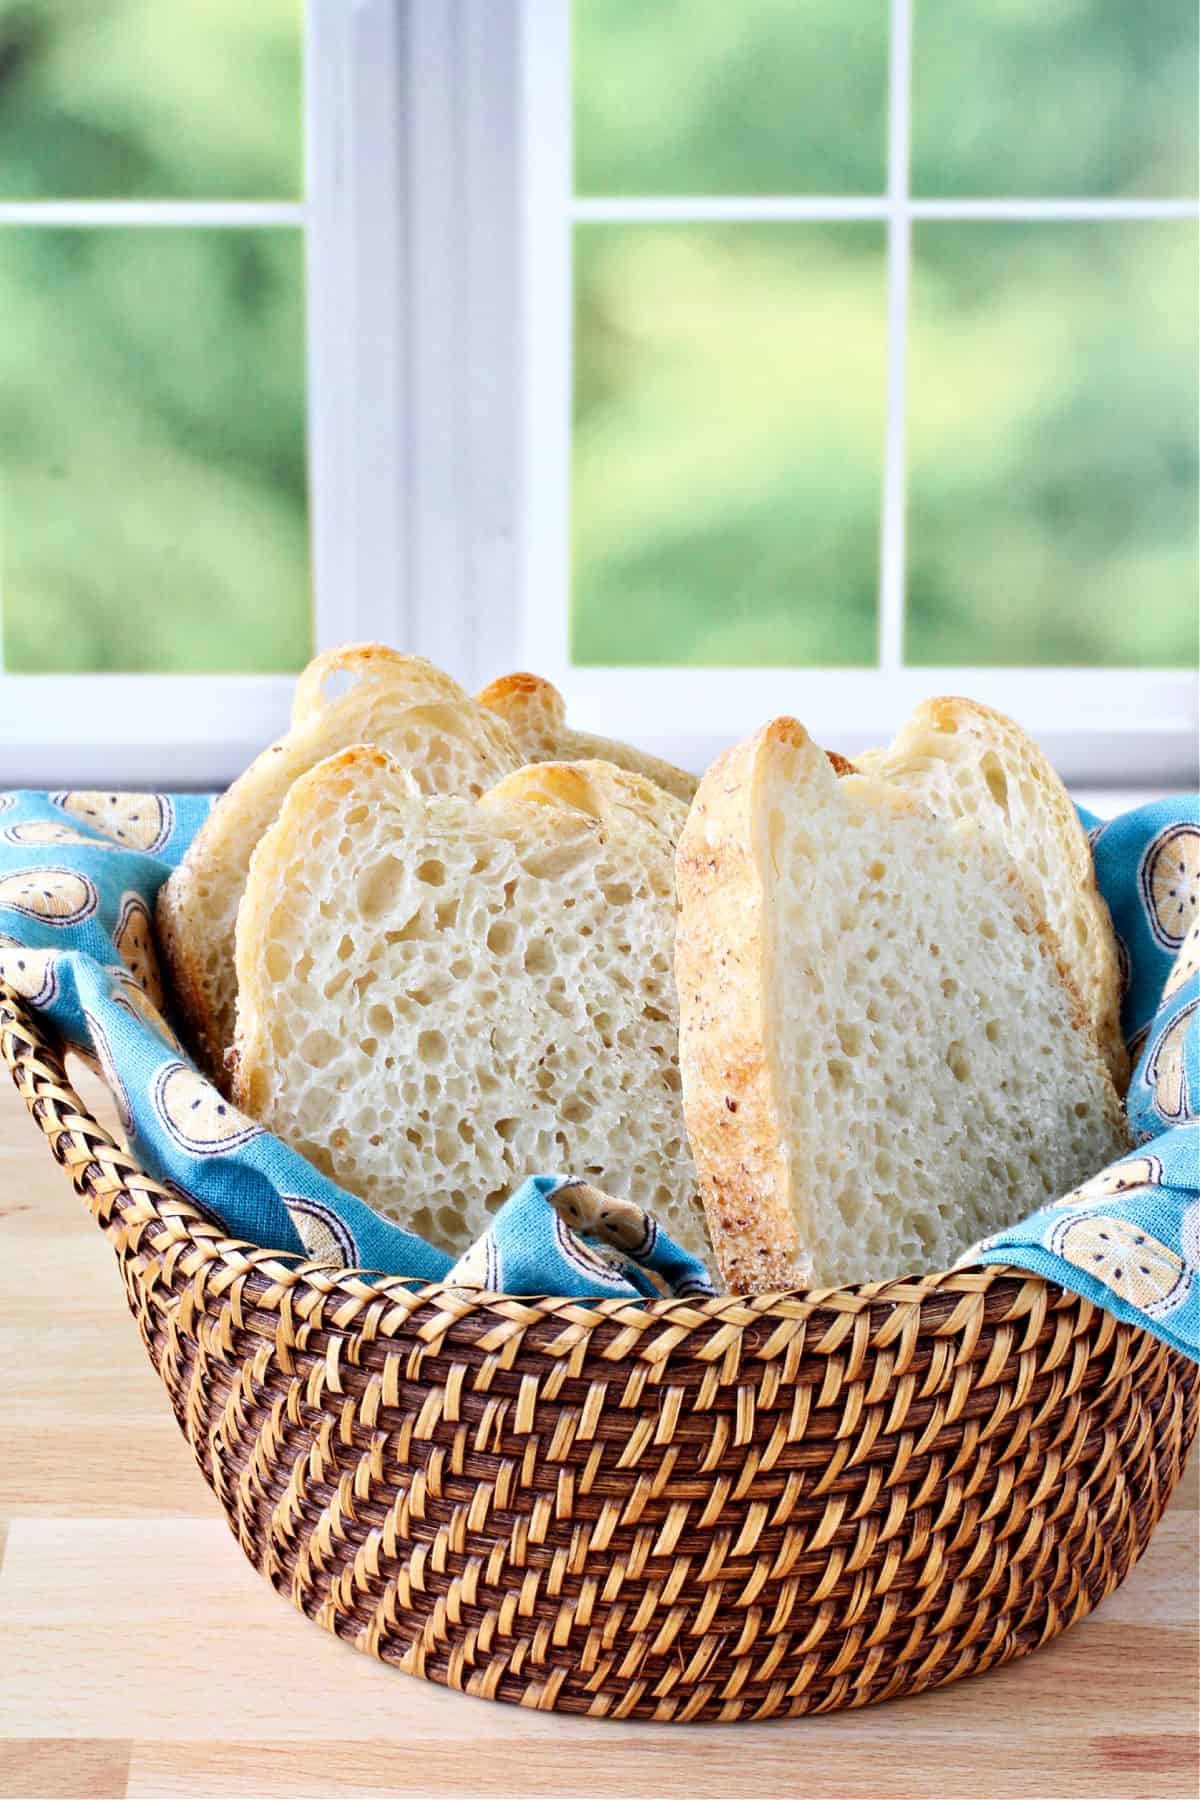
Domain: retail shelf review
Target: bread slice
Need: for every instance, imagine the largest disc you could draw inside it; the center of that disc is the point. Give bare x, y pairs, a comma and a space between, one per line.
963, 760
361, 693
441, 996
881, 1058
536, 714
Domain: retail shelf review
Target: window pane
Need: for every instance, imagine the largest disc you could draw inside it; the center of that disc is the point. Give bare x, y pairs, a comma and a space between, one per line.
1054, 97
730, 96
150, 99
1053, 444
152, 479
729, 392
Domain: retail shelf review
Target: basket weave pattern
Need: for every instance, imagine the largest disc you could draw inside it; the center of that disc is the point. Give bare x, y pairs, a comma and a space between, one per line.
726, 1509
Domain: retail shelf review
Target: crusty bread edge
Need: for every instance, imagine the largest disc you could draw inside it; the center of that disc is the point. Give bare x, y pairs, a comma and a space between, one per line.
532, 707
942, 714
1107, 1026
520, 692
188, 1008
594, 789
368, 661
730, 1103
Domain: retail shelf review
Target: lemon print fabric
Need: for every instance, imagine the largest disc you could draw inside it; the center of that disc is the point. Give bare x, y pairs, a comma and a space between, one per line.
1186, 966
100, 1043
321, 1231
58, 897
132, 998
478, 1267
40, 832
134, 939
976, 1253
557, 1235
1147, 865
592, 1262
196, 1116
1125, 1259
1170, 876
1167, 1072
618, 1223
135, 821
1132, 1175
29, 973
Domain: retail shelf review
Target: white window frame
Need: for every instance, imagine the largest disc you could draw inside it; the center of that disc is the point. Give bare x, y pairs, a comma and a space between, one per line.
411, 219
1099, 725
438, 215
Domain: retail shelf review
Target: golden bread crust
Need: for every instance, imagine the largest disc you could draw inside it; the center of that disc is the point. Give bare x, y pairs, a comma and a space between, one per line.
730, 1101
536, 714
187, 999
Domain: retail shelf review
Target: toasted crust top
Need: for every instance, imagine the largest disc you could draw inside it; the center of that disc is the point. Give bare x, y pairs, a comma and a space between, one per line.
364, 665
536, 714
525, 698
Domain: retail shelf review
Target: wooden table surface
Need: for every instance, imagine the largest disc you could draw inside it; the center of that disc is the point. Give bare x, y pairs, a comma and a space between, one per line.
140, 1654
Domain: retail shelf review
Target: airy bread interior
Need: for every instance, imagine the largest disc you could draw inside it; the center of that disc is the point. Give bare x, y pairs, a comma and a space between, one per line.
440, 997
882, 1061
536, 714
965, 761
362, 693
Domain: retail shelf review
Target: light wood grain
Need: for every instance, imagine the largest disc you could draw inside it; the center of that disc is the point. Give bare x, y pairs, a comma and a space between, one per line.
141, 1655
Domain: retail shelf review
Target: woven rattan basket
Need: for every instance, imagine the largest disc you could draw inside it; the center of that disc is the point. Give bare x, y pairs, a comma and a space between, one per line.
730, 1509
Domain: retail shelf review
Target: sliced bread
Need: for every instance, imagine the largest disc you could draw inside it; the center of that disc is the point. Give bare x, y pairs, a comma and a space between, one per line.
439, 997
881, 1058
536, 714
362, 693
964, 761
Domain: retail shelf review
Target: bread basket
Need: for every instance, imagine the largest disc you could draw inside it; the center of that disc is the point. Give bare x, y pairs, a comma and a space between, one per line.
678, 1510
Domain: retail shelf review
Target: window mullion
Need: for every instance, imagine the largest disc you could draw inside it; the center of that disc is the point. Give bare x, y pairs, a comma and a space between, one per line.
413, 285
547, 303
899, 253
358, 182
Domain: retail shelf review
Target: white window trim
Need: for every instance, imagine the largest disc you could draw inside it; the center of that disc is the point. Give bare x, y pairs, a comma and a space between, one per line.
1099, 725
413, 298
438, 215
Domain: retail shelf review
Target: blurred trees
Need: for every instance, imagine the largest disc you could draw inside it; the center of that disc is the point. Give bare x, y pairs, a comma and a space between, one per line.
150, 99
729, 379
153, 511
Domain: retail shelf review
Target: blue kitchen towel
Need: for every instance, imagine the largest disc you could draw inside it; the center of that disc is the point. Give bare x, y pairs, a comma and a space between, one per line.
1130, 1237
79, 873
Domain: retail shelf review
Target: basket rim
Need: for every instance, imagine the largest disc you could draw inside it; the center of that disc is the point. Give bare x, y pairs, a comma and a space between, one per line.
126, 1198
